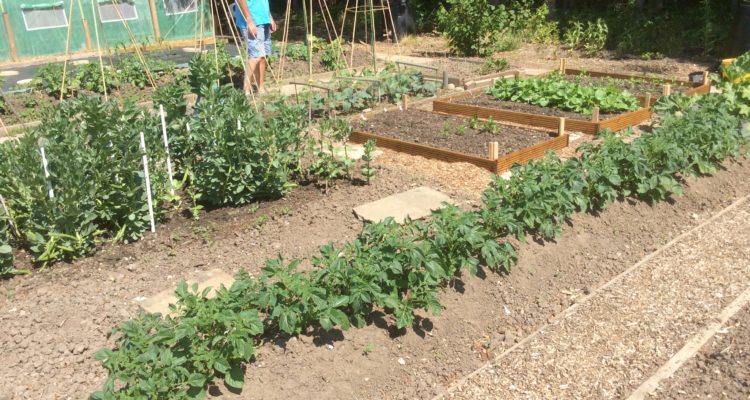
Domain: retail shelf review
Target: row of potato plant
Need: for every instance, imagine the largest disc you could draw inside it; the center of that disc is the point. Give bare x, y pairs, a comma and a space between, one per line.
399, 268
395, 268
557, 92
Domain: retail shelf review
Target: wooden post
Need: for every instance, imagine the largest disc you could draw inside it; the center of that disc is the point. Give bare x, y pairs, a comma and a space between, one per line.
11, 38
647, 101
563, 65
404, 102
493, 150
445, 79
155, 19
705, 77
666, 90
86, 33
561, 127
595, 114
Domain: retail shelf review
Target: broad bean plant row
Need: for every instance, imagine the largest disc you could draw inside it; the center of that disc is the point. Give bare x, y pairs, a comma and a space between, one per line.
399, 268
554, 91
78, 176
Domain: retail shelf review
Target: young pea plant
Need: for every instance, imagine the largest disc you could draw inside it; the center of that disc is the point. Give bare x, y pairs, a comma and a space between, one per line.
368, 171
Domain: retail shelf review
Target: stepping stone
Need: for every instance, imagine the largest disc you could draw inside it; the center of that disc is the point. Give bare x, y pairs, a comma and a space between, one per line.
159, 303
416, 203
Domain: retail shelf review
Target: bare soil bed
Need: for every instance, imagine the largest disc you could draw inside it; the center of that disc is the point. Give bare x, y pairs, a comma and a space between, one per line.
721, 370
300, 68
485, 100
56, 319
637, 87
447, 132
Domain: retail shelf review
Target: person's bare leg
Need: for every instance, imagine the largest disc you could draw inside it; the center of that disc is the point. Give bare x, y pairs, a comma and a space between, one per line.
252, 74
261, 74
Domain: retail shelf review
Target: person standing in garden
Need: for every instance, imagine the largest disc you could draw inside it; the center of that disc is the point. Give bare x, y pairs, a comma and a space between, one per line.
254, 20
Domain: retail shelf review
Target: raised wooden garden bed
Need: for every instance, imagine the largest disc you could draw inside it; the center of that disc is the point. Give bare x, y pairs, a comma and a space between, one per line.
667, 85
522, 148
448, 106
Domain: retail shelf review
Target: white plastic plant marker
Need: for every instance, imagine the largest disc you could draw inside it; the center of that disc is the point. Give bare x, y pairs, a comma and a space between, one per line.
187, 126
239, 124
50, 190
148, 184
166, 147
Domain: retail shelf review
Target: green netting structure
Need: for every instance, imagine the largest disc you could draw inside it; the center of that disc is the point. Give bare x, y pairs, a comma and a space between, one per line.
38, 28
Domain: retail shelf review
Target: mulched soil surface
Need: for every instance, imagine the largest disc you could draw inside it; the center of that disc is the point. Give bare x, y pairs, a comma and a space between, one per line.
57, 319
636, 87
485, 100
721, 370
451, 133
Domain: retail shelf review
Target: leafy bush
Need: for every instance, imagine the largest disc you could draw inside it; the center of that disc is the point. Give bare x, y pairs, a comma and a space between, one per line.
494, 64
132, 71
557, 92
213, 67
95, 172
332, 58
590, 37
736, 87
471, 25
234, 166
49, 79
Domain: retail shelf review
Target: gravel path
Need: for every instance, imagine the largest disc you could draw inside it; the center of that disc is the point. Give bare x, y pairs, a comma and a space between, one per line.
607, 346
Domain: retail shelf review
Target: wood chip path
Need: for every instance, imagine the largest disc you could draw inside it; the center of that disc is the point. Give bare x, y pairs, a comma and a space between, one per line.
615, 339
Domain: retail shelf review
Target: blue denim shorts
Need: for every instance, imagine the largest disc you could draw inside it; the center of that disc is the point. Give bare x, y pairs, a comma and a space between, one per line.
260, 45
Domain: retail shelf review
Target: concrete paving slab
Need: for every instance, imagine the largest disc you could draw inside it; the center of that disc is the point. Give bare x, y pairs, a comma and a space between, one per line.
159, 303
416, 203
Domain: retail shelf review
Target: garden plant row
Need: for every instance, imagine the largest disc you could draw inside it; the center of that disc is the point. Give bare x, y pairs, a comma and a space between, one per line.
79, 179
396, 269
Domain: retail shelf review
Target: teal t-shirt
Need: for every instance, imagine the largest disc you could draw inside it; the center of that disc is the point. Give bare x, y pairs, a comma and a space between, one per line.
259, 11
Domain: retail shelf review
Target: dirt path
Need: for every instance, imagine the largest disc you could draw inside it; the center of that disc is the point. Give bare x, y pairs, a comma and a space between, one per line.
612, 341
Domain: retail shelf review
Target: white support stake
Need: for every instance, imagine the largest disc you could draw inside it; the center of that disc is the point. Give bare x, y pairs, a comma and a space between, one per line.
46, 173
166, 148
148, 184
